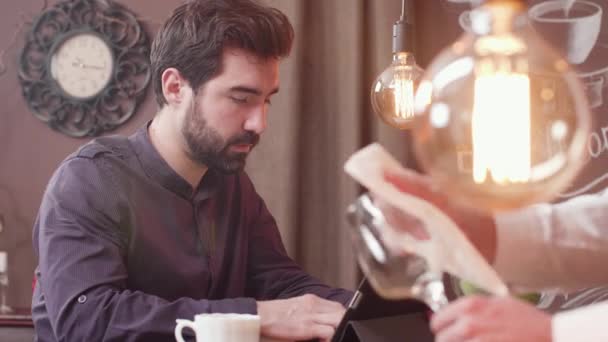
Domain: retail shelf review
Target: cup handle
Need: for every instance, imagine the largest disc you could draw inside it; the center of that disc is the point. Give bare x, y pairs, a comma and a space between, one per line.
181, 324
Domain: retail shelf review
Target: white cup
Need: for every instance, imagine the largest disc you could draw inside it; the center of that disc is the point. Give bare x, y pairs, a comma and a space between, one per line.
574, 36
221, 328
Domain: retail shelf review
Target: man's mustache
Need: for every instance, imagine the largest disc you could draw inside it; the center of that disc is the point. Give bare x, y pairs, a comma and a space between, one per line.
246, 138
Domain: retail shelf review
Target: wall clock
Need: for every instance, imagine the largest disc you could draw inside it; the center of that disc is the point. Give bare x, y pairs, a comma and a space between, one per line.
84, 67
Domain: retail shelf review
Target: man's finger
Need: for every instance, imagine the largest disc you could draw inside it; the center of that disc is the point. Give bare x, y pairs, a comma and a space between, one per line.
410, 182
448, 315
464, 329
402, 221
327, 306
331, 319
322, 332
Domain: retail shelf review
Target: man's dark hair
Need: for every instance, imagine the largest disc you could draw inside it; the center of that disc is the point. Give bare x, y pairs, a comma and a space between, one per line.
193, 39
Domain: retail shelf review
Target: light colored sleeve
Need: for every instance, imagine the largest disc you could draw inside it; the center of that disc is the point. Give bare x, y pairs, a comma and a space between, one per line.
562, 246
585, 324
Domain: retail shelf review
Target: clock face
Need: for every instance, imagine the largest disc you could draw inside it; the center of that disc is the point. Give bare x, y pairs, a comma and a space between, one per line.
82, 65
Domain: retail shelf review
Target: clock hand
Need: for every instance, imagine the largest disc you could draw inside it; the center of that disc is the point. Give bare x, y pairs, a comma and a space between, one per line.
79, 64
88, 66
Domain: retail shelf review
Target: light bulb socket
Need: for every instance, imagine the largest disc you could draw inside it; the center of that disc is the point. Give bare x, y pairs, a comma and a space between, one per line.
402, 36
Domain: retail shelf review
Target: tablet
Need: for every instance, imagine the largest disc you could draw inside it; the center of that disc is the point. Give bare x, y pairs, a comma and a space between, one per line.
367, 306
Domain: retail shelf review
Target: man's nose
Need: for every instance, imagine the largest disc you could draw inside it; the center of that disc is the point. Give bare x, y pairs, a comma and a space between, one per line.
256, 122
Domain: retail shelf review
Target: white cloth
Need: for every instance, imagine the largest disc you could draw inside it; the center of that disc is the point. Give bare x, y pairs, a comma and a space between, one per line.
562, 246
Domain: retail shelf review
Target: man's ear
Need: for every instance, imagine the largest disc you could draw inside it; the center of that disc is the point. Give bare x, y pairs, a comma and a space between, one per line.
174, 86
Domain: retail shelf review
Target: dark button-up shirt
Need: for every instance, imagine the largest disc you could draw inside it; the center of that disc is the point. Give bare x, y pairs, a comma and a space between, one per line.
126, 246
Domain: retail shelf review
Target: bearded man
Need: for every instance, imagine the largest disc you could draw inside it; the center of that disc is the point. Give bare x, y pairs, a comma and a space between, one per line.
134, 232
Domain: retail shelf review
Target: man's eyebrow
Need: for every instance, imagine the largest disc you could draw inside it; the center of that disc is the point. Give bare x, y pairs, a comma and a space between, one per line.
253, 91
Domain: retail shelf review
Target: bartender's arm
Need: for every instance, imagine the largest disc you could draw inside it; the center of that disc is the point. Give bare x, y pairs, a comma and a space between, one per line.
544, 246
539, 247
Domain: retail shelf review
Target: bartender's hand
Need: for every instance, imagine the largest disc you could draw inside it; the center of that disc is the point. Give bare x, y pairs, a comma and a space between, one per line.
491, 319
300, 318
478, 226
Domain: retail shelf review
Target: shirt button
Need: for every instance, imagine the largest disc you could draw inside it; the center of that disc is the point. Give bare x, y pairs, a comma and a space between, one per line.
82, 299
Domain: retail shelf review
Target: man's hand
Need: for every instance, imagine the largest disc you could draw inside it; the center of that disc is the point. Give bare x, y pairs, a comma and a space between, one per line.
491, 319
300, 318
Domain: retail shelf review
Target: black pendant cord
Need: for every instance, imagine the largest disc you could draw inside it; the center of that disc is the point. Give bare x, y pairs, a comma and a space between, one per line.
402, 28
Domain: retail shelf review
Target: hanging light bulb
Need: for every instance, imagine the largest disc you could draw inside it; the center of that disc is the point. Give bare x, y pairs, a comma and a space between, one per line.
501, 120
393, 91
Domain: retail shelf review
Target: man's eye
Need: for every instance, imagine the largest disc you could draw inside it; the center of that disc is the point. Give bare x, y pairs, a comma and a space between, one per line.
239, 99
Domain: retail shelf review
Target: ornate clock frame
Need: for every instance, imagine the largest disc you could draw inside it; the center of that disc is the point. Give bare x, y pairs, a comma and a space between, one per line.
118, 100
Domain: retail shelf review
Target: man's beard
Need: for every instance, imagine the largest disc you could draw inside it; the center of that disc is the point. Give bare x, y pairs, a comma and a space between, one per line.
206, 146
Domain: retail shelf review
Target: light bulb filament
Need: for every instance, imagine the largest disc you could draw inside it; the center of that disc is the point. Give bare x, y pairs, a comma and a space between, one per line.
404, 98
501, 125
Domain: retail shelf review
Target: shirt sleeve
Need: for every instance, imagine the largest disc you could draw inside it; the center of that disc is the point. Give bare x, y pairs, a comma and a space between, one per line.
584, 324
561, 246
79, 237
272, 274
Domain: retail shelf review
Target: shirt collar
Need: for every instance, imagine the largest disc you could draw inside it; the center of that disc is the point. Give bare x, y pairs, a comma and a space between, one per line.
157, 168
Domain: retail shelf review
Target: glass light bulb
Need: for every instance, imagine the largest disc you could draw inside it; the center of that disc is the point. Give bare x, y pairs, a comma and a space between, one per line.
393, 91
501, 120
